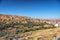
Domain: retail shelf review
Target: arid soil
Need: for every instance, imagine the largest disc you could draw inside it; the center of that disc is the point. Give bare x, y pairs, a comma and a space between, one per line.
48, 34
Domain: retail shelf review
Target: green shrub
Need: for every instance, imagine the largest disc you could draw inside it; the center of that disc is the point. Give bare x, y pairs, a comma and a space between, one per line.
19, 31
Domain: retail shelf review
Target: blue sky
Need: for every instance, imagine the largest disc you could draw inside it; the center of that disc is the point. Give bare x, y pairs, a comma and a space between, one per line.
46, 9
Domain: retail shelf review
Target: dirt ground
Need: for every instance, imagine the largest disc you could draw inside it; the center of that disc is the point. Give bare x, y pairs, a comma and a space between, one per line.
47, 34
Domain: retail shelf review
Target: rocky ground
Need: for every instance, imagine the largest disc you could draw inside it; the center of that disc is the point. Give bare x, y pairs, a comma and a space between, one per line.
48, 34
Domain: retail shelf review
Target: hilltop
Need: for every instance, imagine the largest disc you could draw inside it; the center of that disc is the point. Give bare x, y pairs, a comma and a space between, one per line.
14, 18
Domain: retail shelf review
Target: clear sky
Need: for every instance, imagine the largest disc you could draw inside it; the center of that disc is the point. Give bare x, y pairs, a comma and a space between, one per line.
32, 8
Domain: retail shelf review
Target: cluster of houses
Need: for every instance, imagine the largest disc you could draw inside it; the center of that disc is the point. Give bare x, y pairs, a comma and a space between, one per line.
56, 23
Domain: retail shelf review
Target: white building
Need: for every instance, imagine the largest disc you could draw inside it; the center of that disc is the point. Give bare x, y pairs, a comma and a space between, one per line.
57, 24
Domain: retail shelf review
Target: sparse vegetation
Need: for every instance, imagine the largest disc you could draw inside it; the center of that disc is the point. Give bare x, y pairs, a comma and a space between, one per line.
2, 34
24, 24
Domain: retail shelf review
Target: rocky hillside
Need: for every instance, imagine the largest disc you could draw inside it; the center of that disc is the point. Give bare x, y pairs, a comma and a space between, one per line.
12, 24
22, 26
13, 20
